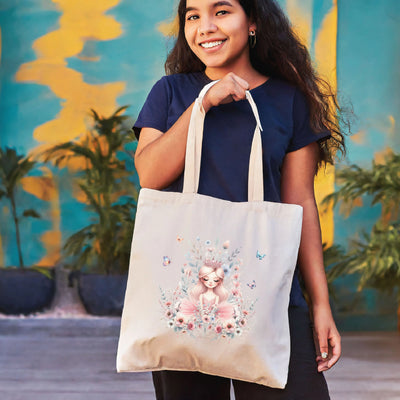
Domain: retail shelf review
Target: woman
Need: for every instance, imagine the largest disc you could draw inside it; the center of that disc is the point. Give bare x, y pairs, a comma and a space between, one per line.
248, 45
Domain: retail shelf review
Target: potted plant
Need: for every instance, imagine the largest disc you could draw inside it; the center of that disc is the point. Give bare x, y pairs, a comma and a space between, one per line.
99, 252
375, 257
22, 290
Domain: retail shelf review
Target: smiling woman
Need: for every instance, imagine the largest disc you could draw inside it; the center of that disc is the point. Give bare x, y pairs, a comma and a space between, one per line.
248, 45
217, 33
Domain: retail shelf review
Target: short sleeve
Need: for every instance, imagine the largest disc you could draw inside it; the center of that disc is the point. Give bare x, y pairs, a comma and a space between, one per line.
154, 113
302, 131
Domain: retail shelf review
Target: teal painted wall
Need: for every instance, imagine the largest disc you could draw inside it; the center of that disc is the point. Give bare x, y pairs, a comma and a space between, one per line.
130, 53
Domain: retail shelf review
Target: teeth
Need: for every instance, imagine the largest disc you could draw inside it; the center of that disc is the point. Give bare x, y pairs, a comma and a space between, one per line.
207, 45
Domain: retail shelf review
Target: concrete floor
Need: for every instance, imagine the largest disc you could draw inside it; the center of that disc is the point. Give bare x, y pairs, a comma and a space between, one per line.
74, 359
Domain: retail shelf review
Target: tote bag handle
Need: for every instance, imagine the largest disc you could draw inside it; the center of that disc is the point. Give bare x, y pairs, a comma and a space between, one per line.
194, 145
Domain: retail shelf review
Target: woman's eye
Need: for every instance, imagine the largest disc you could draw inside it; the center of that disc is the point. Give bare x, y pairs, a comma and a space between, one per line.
205, 279
216, 280
222, 12
191, 17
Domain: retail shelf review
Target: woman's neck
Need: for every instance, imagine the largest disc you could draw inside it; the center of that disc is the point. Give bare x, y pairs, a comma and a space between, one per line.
246, 72
241, 68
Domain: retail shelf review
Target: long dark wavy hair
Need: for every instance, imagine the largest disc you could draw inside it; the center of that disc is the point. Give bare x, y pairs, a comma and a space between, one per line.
278, 53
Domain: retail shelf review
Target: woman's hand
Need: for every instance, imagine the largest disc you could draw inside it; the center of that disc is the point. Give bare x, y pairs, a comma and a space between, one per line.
297, 187
327, 338
230, 88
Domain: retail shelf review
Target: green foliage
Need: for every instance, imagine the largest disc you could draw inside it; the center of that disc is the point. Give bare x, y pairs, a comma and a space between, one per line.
382, 182
14, 167
375, 257
103, 245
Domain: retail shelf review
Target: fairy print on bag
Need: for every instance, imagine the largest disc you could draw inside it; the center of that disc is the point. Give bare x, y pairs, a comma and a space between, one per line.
208, 299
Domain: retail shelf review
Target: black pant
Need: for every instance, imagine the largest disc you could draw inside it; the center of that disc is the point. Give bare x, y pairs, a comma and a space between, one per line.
304, 380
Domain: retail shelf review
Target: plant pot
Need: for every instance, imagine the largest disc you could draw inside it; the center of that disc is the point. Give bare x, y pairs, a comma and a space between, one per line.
102, 294
24, 291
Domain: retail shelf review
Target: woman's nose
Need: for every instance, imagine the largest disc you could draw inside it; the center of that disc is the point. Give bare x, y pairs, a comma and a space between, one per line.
206, 26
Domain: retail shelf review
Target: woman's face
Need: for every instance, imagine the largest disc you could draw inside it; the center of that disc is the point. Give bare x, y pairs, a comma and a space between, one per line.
217, 32
211, 280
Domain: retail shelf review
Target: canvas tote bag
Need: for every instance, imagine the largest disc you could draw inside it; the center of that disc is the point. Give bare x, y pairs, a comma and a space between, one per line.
209, 280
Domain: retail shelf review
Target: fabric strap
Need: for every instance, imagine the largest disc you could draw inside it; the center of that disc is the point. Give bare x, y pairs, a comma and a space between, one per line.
194, 145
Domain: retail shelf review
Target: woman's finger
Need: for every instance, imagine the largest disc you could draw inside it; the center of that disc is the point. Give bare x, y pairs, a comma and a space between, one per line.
243, 83
336, 348
323, 344
239, 93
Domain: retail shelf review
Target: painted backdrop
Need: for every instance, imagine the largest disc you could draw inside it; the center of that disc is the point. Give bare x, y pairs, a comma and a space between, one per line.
60, 58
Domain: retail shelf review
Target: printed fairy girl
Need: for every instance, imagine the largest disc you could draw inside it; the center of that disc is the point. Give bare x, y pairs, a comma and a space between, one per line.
209, 296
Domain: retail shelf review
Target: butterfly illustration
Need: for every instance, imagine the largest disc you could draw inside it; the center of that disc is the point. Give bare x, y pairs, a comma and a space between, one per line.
179, 239
166, 261
252, 285
259, 255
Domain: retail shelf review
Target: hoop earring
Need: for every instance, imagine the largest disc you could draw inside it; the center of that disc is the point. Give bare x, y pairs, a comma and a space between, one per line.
252, 39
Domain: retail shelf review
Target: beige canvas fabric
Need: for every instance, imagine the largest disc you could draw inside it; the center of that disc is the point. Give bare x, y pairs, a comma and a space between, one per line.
209, 280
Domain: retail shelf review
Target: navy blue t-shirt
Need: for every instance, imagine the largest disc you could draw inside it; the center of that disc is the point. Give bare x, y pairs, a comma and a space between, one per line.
228, 134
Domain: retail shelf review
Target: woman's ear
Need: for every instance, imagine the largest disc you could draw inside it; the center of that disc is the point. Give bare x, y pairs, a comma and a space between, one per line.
253, 27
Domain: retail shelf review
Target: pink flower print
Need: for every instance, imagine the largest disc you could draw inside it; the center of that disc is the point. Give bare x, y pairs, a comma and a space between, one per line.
236, 276
206, 318
236, 284
242, 322
179, 320
169, 314
245, 312
230, 326
235, 292
190, 326
168, 303
236, 268
218, 329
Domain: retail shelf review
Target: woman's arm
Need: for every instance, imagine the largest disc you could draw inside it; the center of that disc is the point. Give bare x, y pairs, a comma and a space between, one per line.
297, 187
160, 157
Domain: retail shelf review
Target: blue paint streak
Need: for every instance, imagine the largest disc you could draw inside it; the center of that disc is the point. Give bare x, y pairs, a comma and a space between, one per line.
23, 106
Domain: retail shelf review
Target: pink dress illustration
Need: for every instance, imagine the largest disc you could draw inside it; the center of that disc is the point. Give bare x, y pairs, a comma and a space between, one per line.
209, 295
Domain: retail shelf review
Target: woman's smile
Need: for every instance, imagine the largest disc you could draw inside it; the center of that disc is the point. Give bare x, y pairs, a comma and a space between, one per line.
212, 44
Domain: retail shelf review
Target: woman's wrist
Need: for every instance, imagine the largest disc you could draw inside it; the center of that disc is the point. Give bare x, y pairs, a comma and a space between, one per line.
205, 104
321, 307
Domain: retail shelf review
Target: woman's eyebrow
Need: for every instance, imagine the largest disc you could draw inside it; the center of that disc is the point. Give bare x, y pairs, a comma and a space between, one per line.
222, 3
215, 5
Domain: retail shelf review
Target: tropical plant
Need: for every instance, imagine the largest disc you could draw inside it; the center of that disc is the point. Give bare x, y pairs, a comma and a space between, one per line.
14, 167
108, 190
375, 257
